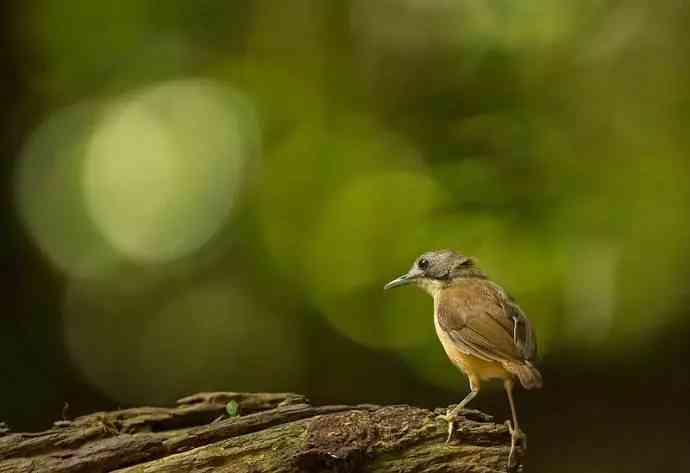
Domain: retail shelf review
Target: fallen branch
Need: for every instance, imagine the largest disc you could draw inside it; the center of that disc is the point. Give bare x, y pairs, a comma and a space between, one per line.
270, 433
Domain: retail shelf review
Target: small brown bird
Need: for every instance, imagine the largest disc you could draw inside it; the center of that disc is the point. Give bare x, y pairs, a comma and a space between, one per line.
482, 330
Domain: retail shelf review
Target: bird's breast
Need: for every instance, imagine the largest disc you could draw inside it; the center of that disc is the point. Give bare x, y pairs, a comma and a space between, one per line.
451, 349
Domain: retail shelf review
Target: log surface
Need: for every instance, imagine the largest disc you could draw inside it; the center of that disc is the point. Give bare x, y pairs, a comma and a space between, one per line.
272, 432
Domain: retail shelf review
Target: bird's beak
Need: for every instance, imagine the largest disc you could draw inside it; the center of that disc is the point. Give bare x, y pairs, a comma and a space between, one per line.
401, 281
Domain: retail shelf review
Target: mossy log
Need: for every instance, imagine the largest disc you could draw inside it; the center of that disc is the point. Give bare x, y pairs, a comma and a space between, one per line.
269, 433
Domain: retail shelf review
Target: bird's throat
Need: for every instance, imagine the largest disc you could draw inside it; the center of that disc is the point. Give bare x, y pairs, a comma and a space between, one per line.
430, 286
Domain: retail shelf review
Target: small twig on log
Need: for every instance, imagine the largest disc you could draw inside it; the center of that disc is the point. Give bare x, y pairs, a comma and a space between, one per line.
273, 433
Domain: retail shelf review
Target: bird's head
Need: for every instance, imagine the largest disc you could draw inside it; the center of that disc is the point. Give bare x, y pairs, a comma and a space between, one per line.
435, 270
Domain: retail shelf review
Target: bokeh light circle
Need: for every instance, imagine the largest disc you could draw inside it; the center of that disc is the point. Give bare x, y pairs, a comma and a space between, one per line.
49, 197
164, 166
372, 222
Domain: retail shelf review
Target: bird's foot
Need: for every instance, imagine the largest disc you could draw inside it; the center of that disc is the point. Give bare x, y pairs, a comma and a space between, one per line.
516, 436
450, 419
451, 416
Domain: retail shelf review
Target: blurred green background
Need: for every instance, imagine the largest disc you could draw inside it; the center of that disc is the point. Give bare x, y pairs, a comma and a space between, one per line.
210, 195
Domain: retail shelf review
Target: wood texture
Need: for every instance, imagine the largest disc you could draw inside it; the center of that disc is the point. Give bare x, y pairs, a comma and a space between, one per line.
272, 433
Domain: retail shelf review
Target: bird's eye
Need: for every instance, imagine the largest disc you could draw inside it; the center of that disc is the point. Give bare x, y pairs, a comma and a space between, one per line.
423, 263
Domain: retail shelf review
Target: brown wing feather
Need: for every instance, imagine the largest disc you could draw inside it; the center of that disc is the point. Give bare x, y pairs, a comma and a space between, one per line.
525, 337
484, 322
523, 334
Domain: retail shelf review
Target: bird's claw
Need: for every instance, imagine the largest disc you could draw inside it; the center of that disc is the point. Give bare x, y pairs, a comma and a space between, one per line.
516, 435
451, 425
451, 431
450, 417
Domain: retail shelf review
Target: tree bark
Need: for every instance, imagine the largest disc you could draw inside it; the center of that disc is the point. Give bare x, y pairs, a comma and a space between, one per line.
270, 433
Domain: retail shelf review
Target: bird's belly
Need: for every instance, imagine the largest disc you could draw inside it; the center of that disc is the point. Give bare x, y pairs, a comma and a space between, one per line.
470, 365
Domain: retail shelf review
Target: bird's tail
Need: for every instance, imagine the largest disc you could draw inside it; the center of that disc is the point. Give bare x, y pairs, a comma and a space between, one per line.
529, 376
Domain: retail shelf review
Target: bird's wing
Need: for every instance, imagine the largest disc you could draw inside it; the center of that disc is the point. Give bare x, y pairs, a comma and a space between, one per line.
524, 335
482, 320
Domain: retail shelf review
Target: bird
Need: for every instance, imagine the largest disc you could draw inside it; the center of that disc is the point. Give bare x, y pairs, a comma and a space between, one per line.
482, 329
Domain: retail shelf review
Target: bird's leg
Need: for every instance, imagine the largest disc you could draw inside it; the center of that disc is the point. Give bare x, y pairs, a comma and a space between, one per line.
515, 433
451, 414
